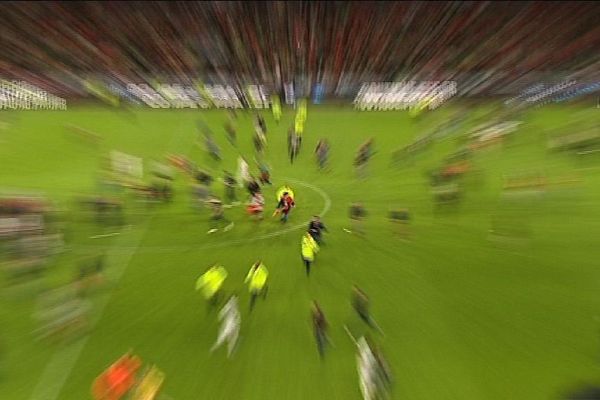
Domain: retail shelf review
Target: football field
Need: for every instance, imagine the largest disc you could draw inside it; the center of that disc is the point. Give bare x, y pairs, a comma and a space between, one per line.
466, 314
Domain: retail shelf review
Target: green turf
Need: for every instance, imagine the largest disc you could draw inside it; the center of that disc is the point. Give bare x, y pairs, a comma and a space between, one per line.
464, 317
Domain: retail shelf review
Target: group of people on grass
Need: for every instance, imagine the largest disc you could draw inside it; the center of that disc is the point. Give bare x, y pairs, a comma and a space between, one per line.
211, 284
373, 374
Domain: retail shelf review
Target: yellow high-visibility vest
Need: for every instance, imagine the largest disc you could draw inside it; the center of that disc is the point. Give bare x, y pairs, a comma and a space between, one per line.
309, 247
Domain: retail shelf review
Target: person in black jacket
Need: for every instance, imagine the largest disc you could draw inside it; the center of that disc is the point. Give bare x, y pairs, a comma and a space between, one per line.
315, 228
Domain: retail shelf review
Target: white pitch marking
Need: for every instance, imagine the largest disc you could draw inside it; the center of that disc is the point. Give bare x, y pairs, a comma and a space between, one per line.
105, 235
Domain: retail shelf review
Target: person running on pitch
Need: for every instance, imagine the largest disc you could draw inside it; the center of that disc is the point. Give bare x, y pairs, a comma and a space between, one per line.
211, 147
384, 373
309, 248
374, 375
293, 145
301, 116
320, 328
299, 130
265, 175
315, 228
290, 135
243, 172
364, 154
260, 121
230, 326
211, 283
400, 219
276, 108
252, 186
367, 369
284, 207
230, 183
256, 205
322, 153
218, 215
285, 201
259, 141
285, 188
360, 162
257, 281
360, 303
357, 214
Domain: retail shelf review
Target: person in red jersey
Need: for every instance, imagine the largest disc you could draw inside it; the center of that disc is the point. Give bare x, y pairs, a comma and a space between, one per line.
286, 203
256, 205
117, 380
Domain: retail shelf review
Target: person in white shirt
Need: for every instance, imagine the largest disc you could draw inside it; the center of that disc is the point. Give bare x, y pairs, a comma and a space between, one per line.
373, 372
243, 172
367, 369
230, 326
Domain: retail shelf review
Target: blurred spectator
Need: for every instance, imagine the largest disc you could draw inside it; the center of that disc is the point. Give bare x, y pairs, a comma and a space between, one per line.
486, 46
62, 314
29, 236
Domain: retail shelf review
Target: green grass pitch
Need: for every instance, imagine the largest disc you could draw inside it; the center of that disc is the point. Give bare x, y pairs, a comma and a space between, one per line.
464, 317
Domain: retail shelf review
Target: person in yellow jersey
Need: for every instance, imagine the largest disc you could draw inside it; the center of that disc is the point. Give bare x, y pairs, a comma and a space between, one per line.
285, 202
301, 116
257, 281
299, 129
302, 110
309, 249
285, 188
211, 283
299, 123
276, 108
